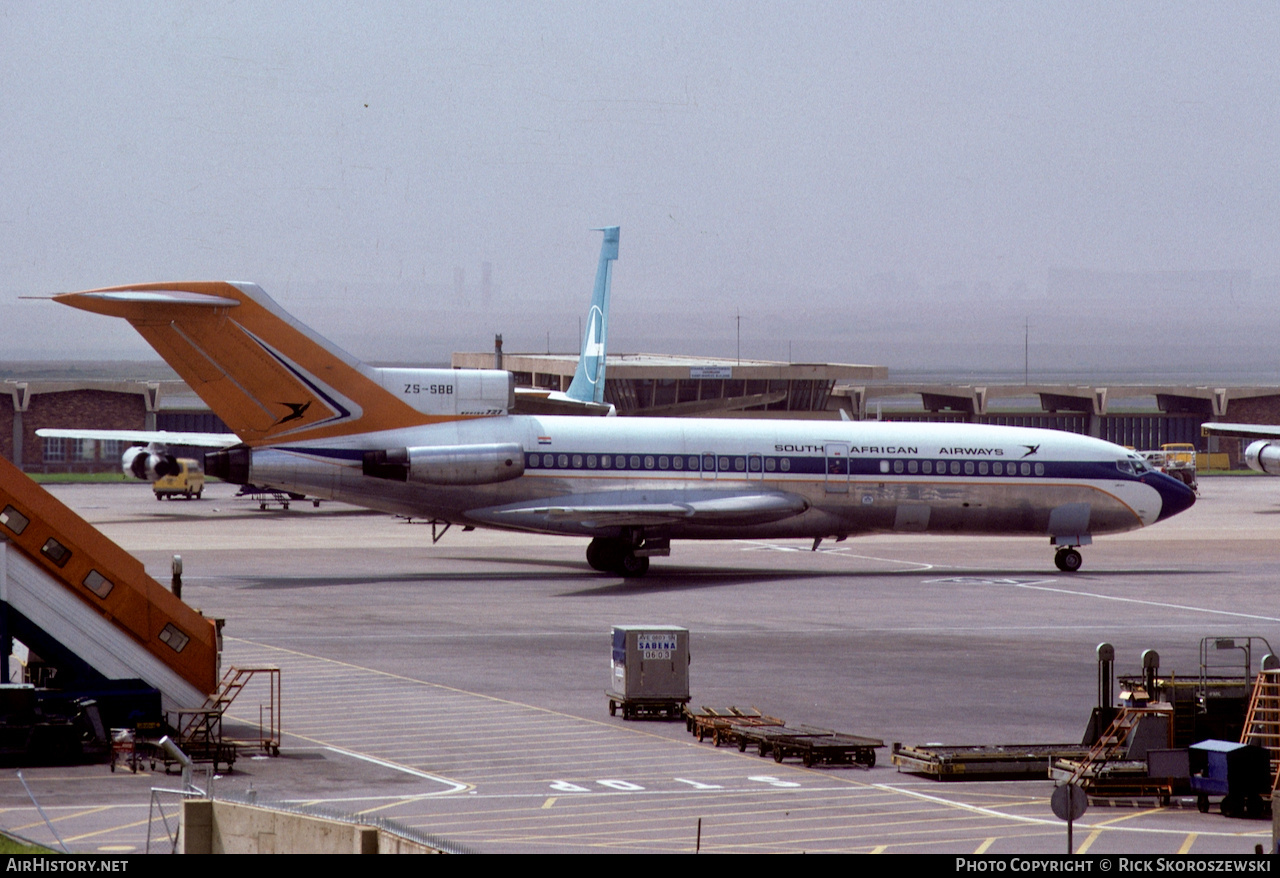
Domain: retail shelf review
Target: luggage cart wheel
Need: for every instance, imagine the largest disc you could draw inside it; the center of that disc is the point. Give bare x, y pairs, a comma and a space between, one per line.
1202, 804
613, 707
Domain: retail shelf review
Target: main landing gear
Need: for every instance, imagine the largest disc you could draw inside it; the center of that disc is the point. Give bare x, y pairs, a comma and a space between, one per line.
627, 555
1068, 559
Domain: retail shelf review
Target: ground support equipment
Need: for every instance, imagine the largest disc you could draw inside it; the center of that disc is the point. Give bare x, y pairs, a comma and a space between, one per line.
646, 707
983, 762
722, 724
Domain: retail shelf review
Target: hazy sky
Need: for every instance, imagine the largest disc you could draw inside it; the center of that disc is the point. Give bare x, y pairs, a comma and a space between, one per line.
888, 182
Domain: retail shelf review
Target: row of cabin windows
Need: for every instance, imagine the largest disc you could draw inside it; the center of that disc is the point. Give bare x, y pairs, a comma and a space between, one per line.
59, 555
692, 462
754, 463
969, 467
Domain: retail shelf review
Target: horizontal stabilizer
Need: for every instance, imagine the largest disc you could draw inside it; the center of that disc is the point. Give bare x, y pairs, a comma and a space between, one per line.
158, 437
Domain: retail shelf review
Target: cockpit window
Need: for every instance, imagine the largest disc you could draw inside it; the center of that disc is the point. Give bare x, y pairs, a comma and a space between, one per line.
1133, 466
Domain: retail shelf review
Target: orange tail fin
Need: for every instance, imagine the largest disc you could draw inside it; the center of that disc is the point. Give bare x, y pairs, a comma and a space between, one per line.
267, 376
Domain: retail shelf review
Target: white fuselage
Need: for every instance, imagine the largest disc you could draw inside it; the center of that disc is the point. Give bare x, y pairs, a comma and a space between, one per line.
853, 477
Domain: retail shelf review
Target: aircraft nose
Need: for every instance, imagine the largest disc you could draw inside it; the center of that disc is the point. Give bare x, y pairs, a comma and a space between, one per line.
1175, 496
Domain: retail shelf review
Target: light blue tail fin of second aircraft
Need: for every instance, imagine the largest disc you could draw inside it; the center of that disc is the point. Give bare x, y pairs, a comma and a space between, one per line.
588, 381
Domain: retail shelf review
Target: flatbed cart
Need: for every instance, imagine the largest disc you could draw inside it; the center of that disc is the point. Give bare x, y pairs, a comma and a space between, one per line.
646, 707
723, 725
268, 496
762, 738
983, 761
833, 749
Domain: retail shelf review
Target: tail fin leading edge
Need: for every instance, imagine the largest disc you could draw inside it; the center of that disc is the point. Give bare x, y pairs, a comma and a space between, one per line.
588, 380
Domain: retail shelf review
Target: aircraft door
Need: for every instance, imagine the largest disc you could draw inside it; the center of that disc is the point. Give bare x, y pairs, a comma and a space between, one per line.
837, 467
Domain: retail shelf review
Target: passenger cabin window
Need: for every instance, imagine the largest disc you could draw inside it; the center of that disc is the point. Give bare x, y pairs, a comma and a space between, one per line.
173, 638
56, 552
14, 520
98, 584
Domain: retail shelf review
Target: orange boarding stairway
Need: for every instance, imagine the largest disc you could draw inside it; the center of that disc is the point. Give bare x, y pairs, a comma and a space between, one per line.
81, 601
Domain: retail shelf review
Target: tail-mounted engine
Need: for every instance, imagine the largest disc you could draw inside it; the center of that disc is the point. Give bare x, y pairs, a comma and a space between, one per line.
149, 463
230, 465
447, 464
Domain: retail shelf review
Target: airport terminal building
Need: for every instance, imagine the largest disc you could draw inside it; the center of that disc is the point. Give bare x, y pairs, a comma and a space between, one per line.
107, 397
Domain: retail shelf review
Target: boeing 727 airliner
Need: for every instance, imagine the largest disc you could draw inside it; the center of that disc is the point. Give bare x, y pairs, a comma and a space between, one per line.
441, 444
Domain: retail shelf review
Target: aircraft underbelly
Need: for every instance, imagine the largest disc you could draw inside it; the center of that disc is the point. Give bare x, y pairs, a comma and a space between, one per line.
903, 506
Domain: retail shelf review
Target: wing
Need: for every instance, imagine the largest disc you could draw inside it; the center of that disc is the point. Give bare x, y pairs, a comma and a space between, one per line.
158, 437
650, 508
1246, 431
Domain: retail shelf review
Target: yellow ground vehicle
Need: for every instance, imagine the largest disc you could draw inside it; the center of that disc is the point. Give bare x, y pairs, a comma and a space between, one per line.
188, 483
1177, 459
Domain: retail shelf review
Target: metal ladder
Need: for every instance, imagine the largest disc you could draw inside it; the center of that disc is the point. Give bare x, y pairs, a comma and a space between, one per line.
231, 685
1262, 722
1110, 747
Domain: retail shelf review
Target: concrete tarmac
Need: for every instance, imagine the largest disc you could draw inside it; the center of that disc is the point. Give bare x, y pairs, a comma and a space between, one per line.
458, 688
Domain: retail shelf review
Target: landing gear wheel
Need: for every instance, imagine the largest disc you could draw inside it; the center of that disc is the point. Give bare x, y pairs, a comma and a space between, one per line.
1068, 560
633, 565
602, 555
